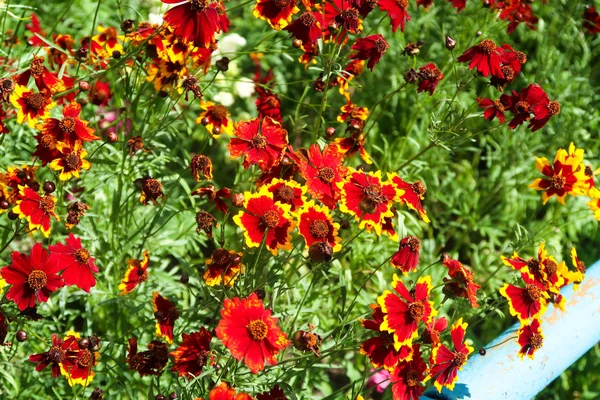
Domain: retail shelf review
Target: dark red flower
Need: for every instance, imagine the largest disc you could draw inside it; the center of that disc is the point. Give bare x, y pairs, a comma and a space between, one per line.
166, 314
531, 101
458, 4
59, 353
486, 57
214, 195
461, 282
407, 256
195, 21
343, 14
530, 338
429, 77
75, 261
414, 194
276, 393
149, 362
278, 13
591, 20
307, 27
493, 109
397, 10
433, 329
370, 48
193, 354
408, 376
268, 105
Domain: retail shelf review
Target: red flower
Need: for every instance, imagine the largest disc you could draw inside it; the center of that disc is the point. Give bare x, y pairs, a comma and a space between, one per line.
45, 80
224, 267
78, 369
447, 363
433, 329
486, 57
33, 278
250, 332
166, 314
408, 376
458, 4
261, 217
323, 170
214, 118
78, 265
315, 224
369, 199
224, 392
36, 209
278, 13
214, 195
261, 142
193, 354
591, 20
276, 393
370, 48
59, 353
543, 271
149, 362
307, 27
493, 109
343, 14
403, 314
429, 77
70, 128
35, 27
512, 61
413, 194
137, 272
196, 21
407, 256
287, 192
31, 105
461, 282
530, 338
268, 105
381, 349
70, 160
530, 100
527, 303
397, 10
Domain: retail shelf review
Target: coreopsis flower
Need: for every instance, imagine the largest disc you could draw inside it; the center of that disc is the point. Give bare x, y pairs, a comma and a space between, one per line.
429, 77
543, 271
31, 105
76, 262
250, 332
214, 118
70, 128
44, 79
205, 222
486, 57
224, 392
262, 217
137, 272
261, 142
461, 282
288, 192
408, 376
149, 362
352, 69
306, 28
493, 109
269, 105
512, 62
380, 349
370, 48
193, 354
458, 4
315, 224
368, 198
201, 164
445, 362
214, 195
397, 10
195, 21
351, 111
60, 352
100, 94
278, 13
530, 102
577, 263
403, 313
36, 209
109, 39
151, 190
80, 370
407, 257
564, 176
33, 277
166, 314
591, 20
412, 194
75, 211
71, 159
433, 329
223, 267
343, 14
530, 338
527, 303
276, 393
594, 204
516, 12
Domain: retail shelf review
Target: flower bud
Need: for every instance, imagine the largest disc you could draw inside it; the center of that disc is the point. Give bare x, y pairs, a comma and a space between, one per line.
49, 187
450, 43
128, 25
320, 252
330, 131
84, 86
21, 336
222, 64
238, 199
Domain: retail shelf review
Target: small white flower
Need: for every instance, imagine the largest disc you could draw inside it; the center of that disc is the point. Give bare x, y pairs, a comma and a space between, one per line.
155, 18
230, 43
224, 98
244, 88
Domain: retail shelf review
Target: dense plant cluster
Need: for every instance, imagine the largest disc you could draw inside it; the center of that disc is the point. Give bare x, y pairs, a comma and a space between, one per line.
277, 199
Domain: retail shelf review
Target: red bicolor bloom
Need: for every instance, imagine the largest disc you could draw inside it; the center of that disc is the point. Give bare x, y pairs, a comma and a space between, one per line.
407, 256
268, 105
543, 271
35, 27
193, 354
214, 118
31, 105
78, 370
461, 282
323, 170
397, 10
45, 80
591, 20
137, 272
370, 48
429, 77
530, 101
447, 363
530, 338
343, 14
261, 217
368, 198
76, 262
315, 224
166, 314
100, 93
493, 109
261, 142
403, 314
70, 128
307, 27
59, 353
250, 332
214, 195
33, 277
381, 349
287, 192
276, 393
224, 392
70, 160
408, 376
458, 4
527, 303
223, 267
149, 362
486, 57
433, 329
36, 209
278, 13
195, 21
412, 194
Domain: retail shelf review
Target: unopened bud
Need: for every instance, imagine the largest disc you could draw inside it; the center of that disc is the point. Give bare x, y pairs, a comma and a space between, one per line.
450, 43
320, 252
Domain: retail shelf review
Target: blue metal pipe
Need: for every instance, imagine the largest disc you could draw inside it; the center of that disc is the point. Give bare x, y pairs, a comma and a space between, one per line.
501, 374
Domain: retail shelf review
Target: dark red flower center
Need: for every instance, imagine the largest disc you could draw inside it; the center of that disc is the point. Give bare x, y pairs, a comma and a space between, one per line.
272, 101
536, 341
487, 46
85, 358
580, 266
47, 204
219, 112
46, 141
319, 228
521, 108
153, 187
558, 182
67, 124
588, 171
35, 101
307, 19
499, 106
551, 267
257, 329
204, 220
7, 84
350, 14
419, 188
387, 339
56, 354
142, 274
403, 4
82, 256
202, 358
520, 57
285, 193
416, 311
37, 279
259, 141
459, 359
73, 160
271, 219
533, 292
326, 174
533, 265
508, 72
199, 5
282, 3
36, 68
221, 257
413, 243
554, 107
412, 378
381, 46
374, 194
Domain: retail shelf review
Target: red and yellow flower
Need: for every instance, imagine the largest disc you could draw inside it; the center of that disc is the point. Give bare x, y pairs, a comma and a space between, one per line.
31, 105
36, 209
413, 194
461, 282
109, 39
166, 314
407, 256
278, 13
530, 338
370, 48
579, 266
447, 363
80, 370
193, 354
71, 160
594, 203
60, 352
195, 21
262, 217
214, 118
288, 192
250, 332
403, 313
527, 303
224, 267
137, 272
76, 262
315, 224
70, 128
433, 329
408, 377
